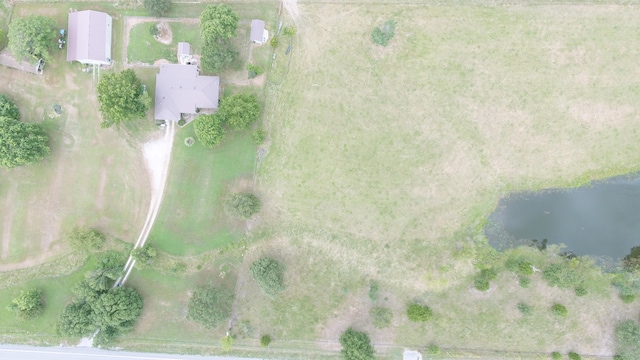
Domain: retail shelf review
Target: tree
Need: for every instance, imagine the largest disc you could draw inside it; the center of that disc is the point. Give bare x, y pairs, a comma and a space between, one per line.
28, 305
242, 205
417, 312
268, 274
382, 34
118, 308
84, 239
8, 108
240, 110
628, 340
21, 143
209, 305
122, 98
218, 55
218, 22
76, 320
32, 38
157, 7
356, 345
209, 130
144, 255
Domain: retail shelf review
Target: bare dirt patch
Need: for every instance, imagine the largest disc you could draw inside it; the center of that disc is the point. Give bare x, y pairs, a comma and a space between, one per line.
165, 35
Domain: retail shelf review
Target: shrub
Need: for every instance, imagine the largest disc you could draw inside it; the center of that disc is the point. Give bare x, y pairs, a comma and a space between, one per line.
153, 30
524, 281
381, 317
85, 239
182, 122
227, 342
433, 349
265, 340
8, 108
242, 205
289, 30
254, 70
383, 34
525, 268
482, 281
628, 340
209, 306
258, 136
374, 291
627, 298
417, 312
209, 130
144, 255
274, 42
268, 274
581, 291
556, 355
356, 345
525, 309
28, 305
561, 275
559, 310
574, 356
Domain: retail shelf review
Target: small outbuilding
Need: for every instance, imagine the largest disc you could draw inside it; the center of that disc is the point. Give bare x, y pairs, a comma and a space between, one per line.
184, 53
259, 34
89, 37
181, 90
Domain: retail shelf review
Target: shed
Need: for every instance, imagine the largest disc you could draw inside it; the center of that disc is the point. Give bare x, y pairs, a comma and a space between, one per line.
181, 90
89, 39
259, 34
184, 52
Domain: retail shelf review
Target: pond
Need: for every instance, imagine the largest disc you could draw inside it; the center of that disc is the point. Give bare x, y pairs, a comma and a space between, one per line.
601, 220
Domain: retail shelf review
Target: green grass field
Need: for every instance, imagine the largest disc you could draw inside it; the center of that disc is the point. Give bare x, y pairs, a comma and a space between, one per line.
145, 49
386, 161
191, 219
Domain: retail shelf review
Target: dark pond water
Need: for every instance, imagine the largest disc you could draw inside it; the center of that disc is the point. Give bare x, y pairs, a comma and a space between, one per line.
601, 220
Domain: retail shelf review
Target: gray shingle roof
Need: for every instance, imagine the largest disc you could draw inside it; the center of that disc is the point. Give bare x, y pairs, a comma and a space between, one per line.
181, 90
89, 37
257, 30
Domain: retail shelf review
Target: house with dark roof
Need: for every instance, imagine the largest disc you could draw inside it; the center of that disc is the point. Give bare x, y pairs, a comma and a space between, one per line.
259, 34
180, 89
89, 37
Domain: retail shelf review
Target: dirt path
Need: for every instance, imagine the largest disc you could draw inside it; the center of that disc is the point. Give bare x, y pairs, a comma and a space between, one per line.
157, 156
131, 21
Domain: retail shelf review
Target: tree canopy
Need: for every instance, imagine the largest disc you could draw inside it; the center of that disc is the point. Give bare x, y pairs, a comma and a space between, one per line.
28, 304
122, 98
217, 56
242, 205
21, 143
268, 274
356, 345
218, 22
240, 110
157, 7
8, 108
210, 305
209, 130
85, 239
32, 38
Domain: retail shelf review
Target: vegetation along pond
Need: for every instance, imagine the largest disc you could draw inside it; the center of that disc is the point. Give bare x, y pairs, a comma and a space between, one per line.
601, 220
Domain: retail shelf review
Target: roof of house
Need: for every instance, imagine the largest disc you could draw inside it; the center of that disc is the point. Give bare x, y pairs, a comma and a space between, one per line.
89, 37
257, 30
184, 48
181, 90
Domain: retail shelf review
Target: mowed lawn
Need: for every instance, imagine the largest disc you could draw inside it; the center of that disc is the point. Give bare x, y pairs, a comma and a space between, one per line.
143, 47
385, 161
191, 219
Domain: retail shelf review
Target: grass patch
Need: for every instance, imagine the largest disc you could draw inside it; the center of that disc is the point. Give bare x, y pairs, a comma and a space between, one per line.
192, 219
144, 48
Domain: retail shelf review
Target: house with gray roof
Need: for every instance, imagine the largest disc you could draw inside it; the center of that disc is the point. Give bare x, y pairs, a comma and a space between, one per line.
89, 37
259, 34
180, 89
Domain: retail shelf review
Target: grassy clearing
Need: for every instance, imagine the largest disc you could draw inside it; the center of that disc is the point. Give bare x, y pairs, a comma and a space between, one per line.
40, 202
386, 161
144, 48
191, 219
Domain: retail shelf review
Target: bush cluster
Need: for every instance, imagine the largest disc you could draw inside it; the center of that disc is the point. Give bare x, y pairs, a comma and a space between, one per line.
210, 306
242, 205
559, 310
561, 275
254, 70
86, 239
383, 34
574, 356
482, 281
268, 274
525, 309
417, 312
628, 340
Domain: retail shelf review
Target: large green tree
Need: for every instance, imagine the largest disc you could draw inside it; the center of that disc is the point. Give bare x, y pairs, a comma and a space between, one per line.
268, 274
210, 305
218, 22
21, 143
8, 108
118, 308
217, 56
28, 304
157, 7
356, 345
85, 239
76, 320
122, 98
240, 110
32, 38
209, 130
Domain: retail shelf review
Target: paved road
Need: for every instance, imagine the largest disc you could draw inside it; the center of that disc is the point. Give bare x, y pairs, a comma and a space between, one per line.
14, 352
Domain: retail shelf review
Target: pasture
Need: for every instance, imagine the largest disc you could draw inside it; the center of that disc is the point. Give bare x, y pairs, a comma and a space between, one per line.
385, 161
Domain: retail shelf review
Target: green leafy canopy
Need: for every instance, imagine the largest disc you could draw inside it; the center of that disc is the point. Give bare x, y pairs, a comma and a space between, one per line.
121, 98
21, 143
32, 38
